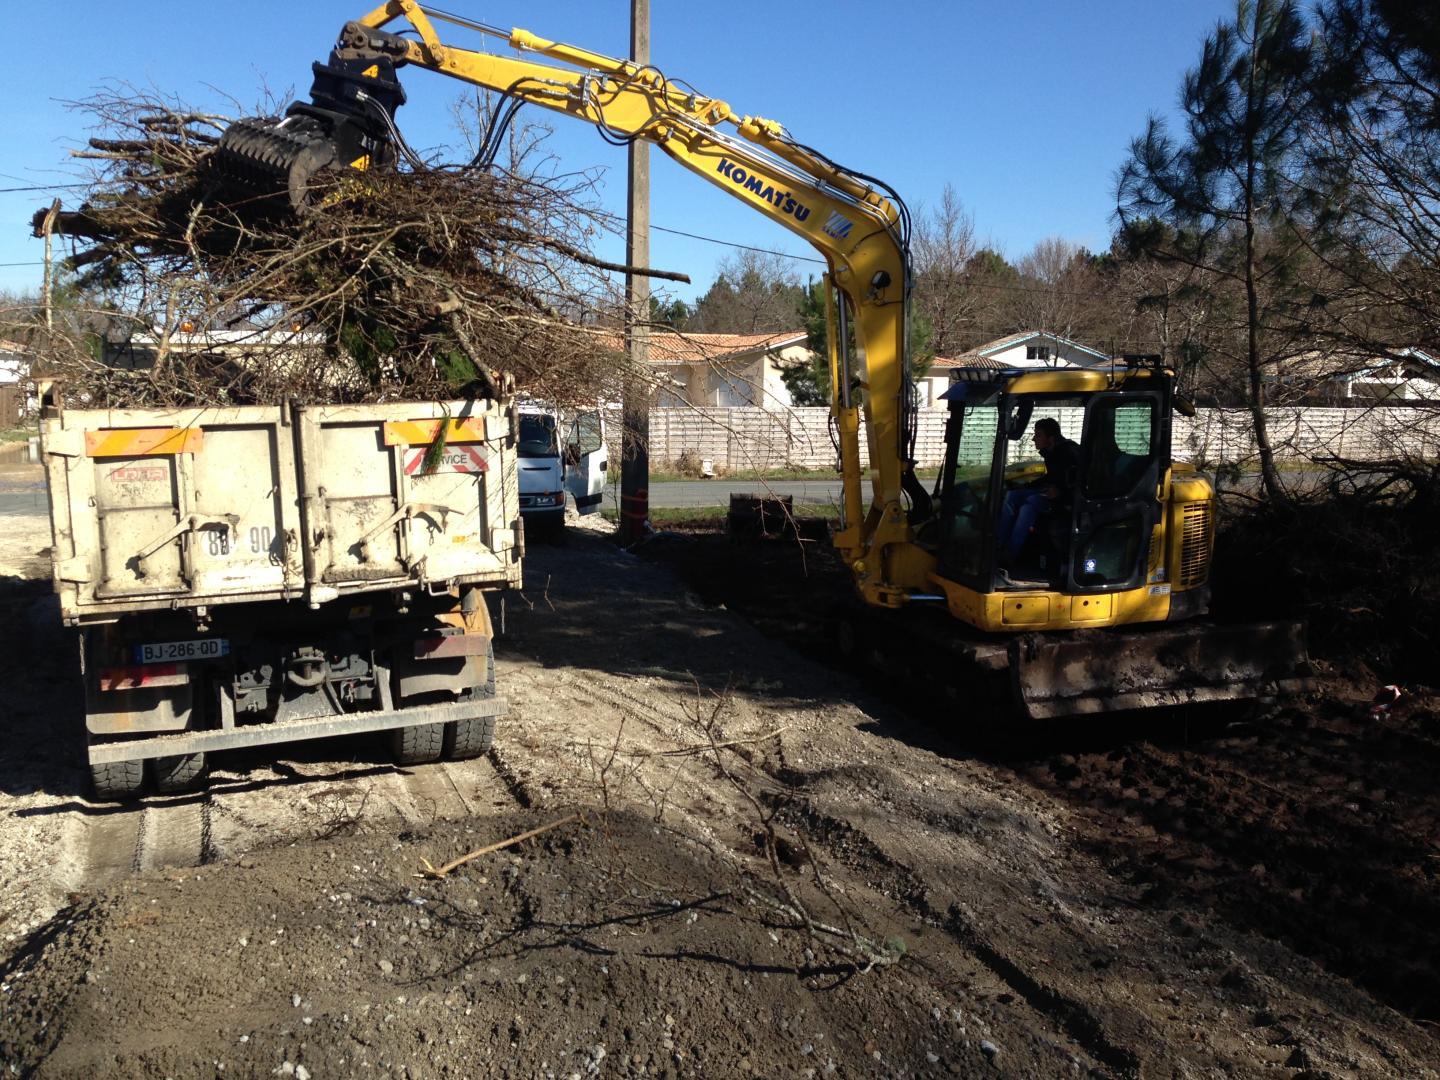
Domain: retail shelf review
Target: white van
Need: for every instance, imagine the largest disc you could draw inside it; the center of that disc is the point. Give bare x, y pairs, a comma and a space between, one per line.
551, 465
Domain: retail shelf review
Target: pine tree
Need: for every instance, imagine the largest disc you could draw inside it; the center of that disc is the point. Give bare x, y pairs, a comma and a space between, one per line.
1227, 187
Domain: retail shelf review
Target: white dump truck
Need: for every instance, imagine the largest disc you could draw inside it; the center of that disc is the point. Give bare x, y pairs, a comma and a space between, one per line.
257, 575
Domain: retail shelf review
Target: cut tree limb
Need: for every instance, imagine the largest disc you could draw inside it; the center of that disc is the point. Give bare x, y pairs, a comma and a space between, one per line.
438, 872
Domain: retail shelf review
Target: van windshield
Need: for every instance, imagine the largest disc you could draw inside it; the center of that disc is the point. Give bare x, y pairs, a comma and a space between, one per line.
537, 436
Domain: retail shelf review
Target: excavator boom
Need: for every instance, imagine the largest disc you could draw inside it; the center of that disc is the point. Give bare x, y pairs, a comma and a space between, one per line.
855, 222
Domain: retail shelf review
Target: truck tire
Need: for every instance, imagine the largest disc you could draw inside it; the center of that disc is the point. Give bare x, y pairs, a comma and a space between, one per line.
418, 744
118, 781
469, 738
179, 774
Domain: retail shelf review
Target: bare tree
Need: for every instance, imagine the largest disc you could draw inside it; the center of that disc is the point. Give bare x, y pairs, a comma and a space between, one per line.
1373, 146
1060, 289
943, 248
754, 292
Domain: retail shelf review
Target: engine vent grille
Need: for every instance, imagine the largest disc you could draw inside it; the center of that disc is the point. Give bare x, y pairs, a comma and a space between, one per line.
1195, 545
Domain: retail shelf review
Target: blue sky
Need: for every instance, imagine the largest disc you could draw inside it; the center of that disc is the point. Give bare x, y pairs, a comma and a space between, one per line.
1026, 108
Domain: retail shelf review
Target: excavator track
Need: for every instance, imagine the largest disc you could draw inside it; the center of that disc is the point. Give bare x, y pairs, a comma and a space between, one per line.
1082, 673
1014, 690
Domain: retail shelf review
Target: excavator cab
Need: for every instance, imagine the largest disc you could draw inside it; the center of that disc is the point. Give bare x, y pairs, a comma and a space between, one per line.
1087, 531
1121, 543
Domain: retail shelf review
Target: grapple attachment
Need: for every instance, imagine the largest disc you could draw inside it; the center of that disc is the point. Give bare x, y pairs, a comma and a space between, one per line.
265, 157
1056, 676
270, 162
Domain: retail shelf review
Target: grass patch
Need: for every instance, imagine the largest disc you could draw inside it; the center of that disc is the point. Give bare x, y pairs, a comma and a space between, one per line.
17, 434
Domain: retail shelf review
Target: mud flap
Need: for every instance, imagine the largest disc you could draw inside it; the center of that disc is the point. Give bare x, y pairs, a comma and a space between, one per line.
1055, 676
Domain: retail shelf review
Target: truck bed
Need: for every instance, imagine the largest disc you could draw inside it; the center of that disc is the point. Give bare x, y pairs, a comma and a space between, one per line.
157, 509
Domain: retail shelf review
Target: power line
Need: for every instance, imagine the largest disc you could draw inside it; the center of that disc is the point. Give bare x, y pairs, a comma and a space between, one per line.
743, 247
37, 263
1044, 290
43, 187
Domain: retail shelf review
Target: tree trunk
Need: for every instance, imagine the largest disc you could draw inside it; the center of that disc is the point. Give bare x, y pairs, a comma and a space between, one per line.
1269, 476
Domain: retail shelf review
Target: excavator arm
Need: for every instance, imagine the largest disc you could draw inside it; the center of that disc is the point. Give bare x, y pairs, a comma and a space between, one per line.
857, 224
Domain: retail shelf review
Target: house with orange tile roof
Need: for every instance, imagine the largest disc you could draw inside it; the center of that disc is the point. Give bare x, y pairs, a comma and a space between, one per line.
725, 370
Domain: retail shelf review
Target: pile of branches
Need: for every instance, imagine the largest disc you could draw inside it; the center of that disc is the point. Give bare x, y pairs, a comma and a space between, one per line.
1355, 559
390, 285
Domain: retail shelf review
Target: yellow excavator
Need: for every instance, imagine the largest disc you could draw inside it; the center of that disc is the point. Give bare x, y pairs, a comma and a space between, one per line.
1097, 611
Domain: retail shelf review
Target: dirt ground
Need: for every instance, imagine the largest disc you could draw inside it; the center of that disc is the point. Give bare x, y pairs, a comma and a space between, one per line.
1215, 901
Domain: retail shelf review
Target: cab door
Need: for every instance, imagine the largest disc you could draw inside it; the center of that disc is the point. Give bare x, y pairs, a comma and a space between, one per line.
586, 461
1117, 504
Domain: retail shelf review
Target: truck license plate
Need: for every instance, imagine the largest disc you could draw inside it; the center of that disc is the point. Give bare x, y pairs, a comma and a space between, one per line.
167, 652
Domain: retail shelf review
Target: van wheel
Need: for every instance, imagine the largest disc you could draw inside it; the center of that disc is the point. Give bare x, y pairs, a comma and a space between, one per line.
418, 744
469, 738
179, 774
118, 781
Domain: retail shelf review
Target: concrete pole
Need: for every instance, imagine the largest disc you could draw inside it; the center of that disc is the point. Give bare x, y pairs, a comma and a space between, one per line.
635, 435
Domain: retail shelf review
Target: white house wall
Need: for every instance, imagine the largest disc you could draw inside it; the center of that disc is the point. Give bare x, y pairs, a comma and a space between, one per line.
1014, 356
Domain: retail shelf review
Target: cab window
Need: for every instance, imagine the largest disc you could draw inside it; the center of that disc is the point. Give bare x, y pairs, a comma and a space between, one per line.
1122, 445
966, 514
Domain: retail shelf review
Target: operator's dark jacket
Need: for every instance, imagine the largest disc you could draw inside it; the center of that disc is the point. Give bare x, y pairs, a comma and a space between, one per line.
1062, 468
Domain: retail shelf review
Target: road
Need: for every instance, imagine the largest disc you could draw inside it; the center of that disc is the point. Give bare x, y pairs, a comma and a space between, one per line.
680, 493
22, 489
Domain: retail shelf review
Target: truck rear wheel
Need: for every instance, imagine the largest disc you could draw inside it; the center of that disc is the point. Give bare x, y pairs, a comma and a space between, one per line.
179, 774
118, 781
469, 738
418, 744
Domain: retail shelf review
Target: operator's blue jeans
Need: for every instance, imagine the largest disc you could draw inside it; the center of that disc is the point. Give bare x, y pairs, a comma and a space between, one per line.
1017, 517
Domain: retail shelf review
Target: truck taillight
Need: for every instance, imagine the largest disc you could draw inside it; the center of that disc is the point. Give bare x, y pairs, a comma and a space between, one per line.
138, 676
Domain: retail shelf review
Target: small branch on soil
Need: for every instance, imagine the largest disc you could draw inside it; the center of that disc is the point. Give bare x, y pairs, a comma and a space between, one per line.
705, 748
865, 954
436, 873
336, 816
854, 947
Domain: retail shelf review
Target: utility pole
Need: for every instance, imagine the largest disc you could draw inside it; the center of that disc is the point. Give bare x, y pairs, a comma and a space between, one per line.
635, 434
48, 287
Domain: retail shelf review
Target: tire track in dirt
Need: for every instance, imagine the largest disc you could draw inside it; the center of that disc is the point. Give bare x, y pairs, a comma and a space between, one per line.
849, 844
432, 794
632, 705
168, 832
509, 779
173, 833
111, 847
153, 835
